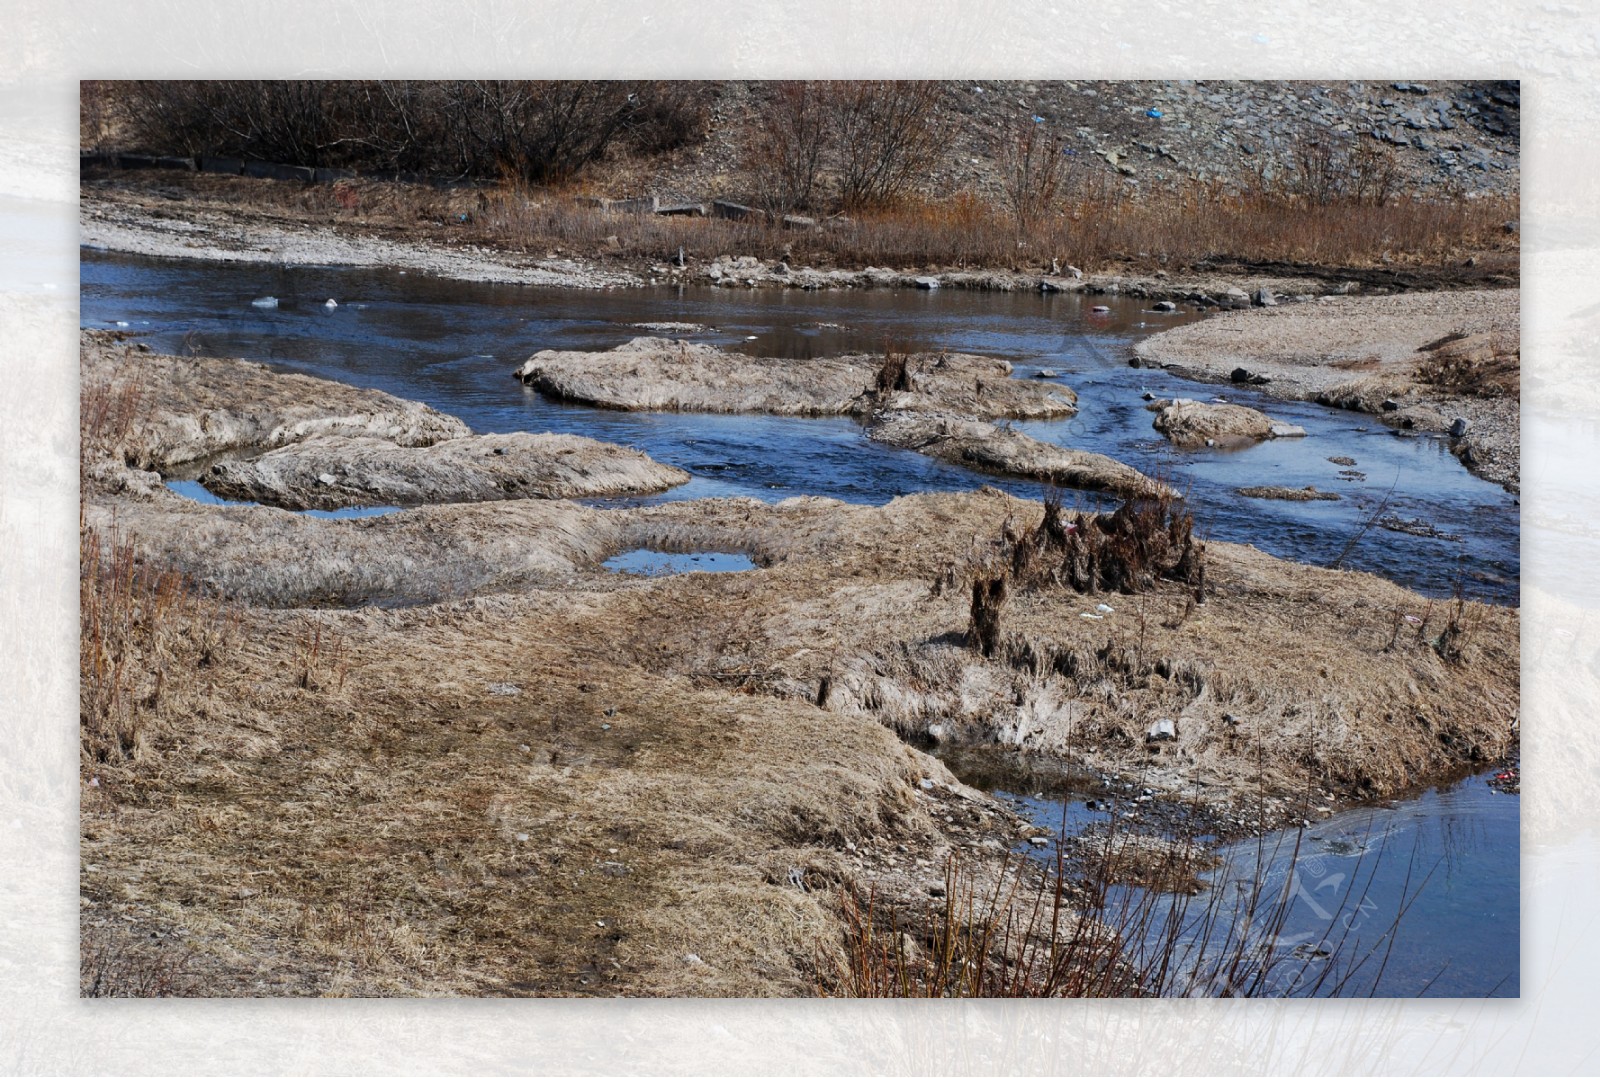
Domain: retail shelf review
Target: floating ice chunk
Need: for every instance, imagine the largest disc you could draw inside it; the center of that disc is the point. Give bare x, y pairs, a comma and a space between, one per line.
265, 301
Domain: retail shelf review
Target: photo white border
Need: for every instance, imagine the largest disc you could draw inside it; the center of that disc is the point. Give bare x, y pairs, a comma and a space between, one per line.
45, 50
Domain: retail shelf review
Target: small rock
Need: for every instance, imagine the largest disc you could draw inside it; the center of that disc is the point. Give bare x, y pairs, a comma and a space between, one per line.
327, 479
1161, 730
1390, 405
1100, 310
1166, 306
936, 732
1459, 427
331, 304
1045, 372
1038, 840
1264, 298
927, 284
927, 784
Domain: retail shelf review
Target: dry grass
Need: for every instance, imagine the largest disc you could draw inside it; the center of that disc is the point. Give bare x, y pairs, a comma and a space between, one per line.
1020, 932
142, 627
574, 783
1128, 550
1098, 229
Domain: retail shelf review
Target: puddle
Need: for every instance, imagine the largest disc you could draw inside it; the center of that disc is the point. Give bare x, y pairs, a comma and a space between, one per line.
644, 562
189, 488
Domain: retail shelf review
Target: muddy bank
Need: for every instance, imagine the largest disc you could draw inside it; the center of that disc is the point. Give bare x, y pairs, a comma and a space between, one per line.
314, 444
336, 472
1373, 354
168, 411
660, 375
976, 444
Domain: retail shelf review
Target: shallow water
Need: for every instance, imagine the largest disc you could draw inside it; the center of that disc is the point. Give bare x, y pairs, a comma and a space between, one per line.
454, 345
192, 490
1419, 897
644, 562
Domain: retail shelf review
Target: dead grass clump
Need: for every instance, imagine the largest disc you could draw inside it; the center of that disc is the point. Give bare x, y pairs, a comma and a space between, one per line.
988, 599
1015, 937
1024, 935
894, 376
1145, 539
142, 629
1471, 365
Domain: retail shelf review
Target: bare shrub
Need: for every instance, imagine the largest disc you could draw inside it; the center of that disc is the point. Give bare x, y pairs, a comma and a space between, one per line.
1037, 934
894, 375
115, 966
1347, 171
791, 143
1144, 540
889, 134
543, 131
1034, 169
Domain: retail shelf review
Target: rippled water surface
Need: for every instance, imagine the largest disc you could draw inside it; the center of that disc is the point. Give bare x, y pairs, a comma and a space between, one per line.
455, 344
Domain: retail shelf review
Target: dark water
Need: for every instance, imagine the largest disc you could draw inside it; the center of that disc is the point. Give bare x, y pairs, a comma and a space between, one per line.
1417, 898
454, 345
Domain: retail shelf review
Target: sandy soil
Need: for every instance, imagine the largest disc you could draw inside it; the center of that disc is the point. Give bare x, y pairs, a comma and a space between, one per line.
1359, 352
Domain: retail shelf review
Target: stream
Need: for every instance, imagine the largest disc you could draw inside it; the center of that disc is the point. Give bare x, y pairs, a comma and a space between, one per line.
454, 344
1447, 858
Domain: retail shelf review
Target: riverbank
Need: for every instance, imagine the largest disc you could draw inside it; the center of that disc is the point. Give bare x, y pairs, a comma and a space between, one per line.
467, 236
380, 734
1418, 363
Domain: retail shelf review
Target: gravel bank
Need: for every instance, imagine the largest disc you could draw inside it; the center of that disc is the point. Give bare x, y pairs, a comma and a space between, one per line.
1363, 353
